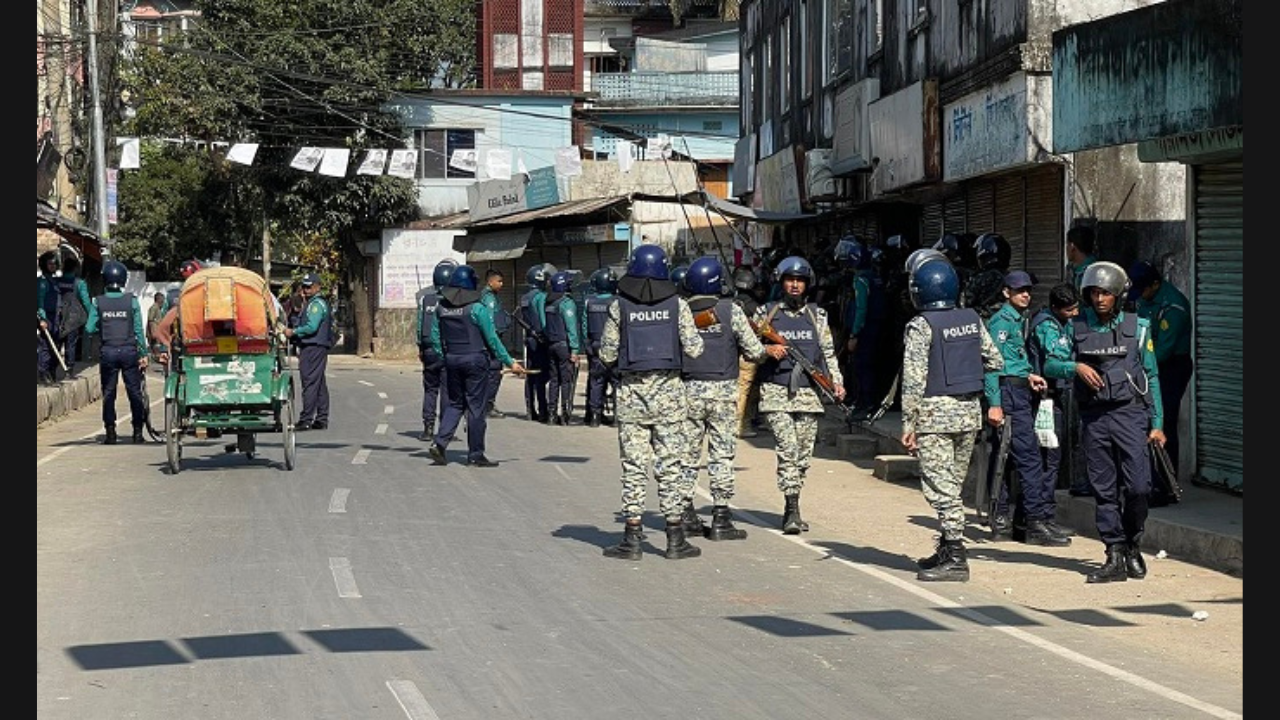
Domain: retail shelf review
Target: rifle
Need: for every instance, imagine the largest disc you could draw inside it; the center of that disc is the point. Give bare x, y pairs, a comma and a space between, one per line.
1165, 465
822, 382
528, 329
705, 318
883, 407
996, 473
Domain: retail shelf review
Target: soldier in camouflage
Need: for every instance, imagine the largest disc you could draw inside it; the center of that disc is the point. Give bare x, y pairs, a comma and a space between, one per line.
788, 399
648, 330
946, 352
711, 386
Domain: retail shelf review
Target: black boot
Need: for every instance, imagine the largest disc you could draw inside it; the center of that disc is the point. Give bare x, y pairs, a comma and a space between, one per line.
689, 518
436, 453
678, 547
939, 552
1113, 570
1040, 532
1134, 565
952, 564
721, 527
137, 436
792, 524
1001, 527
629, 548
111, 438
592, 418
428, 432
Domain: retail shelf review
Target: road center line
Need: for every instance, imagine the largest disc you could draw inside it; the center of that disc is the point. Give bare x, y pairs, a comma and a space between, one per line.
343, 578
338, 500
381, 429
389, 409
562, 472
411, 701
361, 457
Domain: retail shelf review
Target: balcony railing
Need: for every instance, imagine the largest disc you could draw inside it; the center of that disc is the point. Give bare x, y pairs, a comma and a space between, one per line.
664, 89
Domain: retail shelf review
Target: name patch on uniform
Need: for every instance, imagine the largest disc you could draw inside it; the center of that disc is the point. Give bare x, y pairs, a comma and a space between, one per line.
453, 310
961, 331
796, 334
1113, 350
648, 315
115, 314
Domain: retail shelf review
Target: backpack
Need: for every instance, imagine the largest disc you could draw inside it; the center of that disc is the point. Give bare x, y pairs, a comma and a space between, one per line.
71, 313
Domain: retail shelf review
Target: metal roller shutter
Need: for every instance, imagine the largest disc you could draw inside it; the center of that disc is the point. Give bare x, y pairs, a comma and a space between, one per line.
1219, 324
980, 215
954, 218
931, 224
1011, 213
1043, 250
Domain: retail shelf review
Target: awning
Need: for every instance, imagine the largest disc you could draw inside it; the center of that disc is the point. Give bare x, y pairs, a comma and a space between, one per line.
564, 209
82, 237
500, 245
701, 199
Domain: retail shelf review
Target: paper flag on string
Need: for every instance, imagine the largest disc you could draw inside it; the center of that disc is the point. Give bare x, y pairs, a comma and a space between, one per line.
403, 163
242, 153
623, 149
568, 161
497, 163
307, 159
374, 162
334, 162
466, 159
520, 166
128, 153
662, 145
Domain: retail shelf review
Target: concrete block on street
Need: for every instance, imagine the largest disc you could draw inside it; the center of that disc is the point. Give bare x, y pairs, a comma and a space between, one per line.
897, 468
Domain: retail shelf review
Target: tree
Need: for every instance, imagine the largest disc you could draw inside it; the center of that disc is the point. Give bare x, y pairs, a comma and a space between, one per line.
316, 73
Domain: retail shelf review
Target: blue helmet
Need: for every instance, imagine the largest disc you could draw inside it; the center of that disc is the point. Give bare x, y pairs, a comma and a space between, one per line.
464, 276
444, 269
561, 281
705, 276
851, 253
115, 274
539, 275
648, 261
794, 266
678, 274
604, 281
949, 245
992, 251
934, 285
919, 257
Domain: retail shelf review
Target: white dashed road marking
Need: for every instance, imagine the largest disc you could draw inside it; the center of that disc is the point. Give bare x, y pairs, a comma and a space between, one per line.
411, 701
338, 500
343, 578
361, 457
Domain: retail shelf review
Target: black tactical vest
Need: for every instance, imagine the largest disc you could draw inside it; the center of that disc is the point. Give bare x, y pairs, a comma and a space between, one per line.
597, 313
115, 317
557, 331
324, 334
802, 334
459, 334
955, 354
1115, 355
649, 335
719, 358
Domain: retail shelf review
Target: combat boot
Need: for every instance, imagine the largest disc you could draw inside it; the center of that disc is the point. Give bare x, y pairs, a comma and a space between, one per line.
592, 418
1113, 570
1040, 532
436, 453
678, 547
1134, 565
137, 436
111, 438
939, 552
1001, 527
689, 518
722, 527
629, 548
792, 524
428, 432
952, 565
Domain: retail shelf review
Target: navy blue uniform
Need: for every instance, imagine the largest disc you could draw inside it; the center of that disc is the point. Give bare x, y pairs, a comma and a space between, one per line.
435, 390
536, 355
315, 336
464, 335
118, 317
599, 375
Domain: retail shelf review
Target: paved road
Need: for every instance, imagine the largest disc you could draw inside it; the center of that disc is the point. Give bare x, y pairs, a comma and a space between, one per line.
368, 584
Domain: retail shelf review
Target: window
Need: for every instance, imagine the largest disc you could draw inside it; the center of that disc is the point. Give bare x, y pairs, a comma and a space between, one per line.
505, 51
436, 146
560, 50
838, 52
712, 125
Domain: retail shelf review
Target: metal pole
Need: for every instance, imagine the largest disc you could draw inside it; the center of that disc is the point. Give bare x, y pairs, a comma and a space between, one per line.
98, 134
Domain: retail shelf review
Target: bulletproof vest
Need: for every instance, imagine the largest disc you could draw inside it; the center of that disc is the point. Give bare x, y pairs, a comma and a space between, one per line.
719, 358
324, 334
649, 335
460, 335
877, 305
955, 354
748, 304
802, 334
597, 313
1114, 354
51, 298
427, 315
985, 293
1038, 354
557, 331
115, 315
528, 312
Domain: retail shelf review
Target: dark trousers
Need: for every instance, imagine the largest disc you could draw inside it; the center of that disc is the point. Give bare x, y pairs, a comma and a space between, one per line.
1115, 453
563, 380
435, 390
71, 349
116, 361
598, 376
467, 379
1175, 375
535, 386
46, 363
495, 382
1024, 453
312, 361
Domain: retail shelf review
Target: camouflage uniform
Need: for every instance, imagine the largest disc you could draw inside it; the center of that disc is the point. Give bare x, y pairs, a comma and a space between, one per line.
945, 426
646, 403
794, 418
713, 415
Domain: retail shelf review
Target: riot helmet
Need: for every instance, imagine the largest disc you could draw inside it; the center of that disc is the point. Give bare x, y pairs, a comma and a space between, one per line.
992, 251
744, 278
949, 245
705, 276
604, 281
1106, 276
678, 274
775, 255
794, 266
934, 285
851, 253
464, 277
648, 261
444, 269
920, 257
561, 281
115, 275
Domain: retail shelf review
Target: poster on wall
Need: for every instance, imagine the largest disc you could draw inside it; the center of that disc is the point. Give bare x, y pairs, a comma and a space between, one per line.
409, 257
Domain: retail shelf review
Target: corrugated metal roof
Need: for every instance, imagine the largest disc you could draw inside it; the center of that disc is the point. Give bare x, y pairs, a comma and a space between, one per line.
572, 207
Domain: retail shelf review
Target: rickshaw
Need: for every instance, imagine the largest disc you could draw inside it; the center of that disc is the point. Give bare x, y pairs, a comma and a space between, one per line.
230, 373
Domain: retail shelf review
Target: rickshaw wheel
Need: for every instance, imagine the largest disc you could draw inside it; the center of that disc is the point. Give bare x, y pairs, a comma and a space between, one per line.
289, 437
172, 436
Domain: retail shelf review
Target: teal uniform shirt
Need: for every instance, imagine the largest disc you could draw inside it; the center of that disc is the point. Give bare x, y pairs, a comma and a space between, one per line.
139, 335
1057, 367
1169, 313
569, 311
45, 285
490, 300
317, 310
483, 319
1006, 328
539, 303
1077, 271
1053, 340
857, 312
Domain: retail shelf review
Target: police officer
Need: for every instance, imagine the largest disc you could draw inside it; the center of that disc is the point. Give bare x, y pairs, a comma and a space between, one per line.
960, 255
1117, 393
46, 317
787, 397
493, 282
678, 274
533, 321
946, 351
314, 336
648, 331
604, 283
435, 391
864, 319
1010, 397
1169, 313
464, 335
73, 311
985, 290
747, 297
117, 318
711, 386
1080, 248
563, 346
1051, 338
